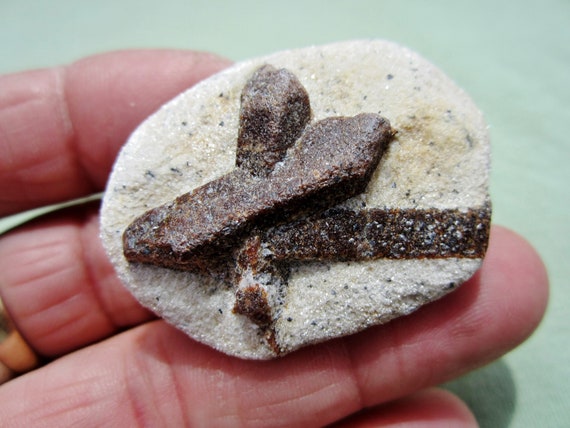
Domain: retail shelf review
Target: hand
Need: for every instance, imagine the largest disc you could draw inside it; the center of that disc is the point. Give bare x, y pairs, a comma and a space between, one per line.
108, 362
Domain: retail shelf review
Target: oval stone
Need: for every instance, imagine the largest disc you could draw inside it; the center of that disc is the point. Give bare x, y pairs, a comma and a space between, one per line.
418, 230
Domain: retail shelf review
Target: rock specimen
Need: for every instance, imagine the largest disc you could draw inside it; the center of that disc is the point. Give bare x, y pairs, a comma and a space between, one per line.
301, 196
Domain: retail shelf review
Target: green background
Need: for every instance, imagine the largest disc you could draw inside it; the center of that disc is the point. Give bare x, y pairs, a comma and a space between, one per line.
513, 57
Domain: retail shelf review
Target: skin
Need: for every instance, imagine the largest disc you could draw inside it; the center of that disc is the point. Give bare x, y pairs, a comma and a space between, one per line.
109, 362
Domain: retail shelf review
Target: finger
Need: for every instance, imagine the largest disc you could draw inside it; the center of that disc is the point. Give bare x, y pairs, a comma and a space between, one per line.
489, 315
154, 375
429, 408
61, 128
59, 286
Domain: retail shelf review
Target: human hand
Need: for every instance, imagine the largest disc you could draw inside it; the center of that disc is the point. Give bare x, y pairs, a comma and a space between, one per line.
109, 362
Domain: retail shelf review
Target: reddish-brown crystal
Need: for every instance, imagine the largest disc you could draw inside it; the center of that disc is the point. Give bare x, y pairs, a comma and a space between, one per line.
251, 301
332, 161
274, 111
343, 235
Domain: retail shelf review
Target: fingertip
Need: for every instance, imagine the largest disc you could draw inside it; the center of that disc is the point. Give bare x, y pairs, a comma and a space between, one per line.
500, 306
514, 266
489, 315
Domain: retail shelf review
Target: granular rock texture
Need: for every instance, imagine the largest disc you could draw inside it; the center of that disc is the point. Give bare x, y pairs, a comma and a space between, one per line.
302, 196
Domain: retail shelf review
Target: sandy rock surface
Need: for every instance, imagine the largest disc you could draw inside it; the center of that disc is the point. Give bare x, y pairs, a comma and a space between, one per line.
438, 160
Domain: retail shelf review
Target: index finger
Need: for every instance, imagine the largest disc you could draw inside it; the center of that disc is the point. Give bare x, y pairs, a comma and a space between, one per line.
61, 128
